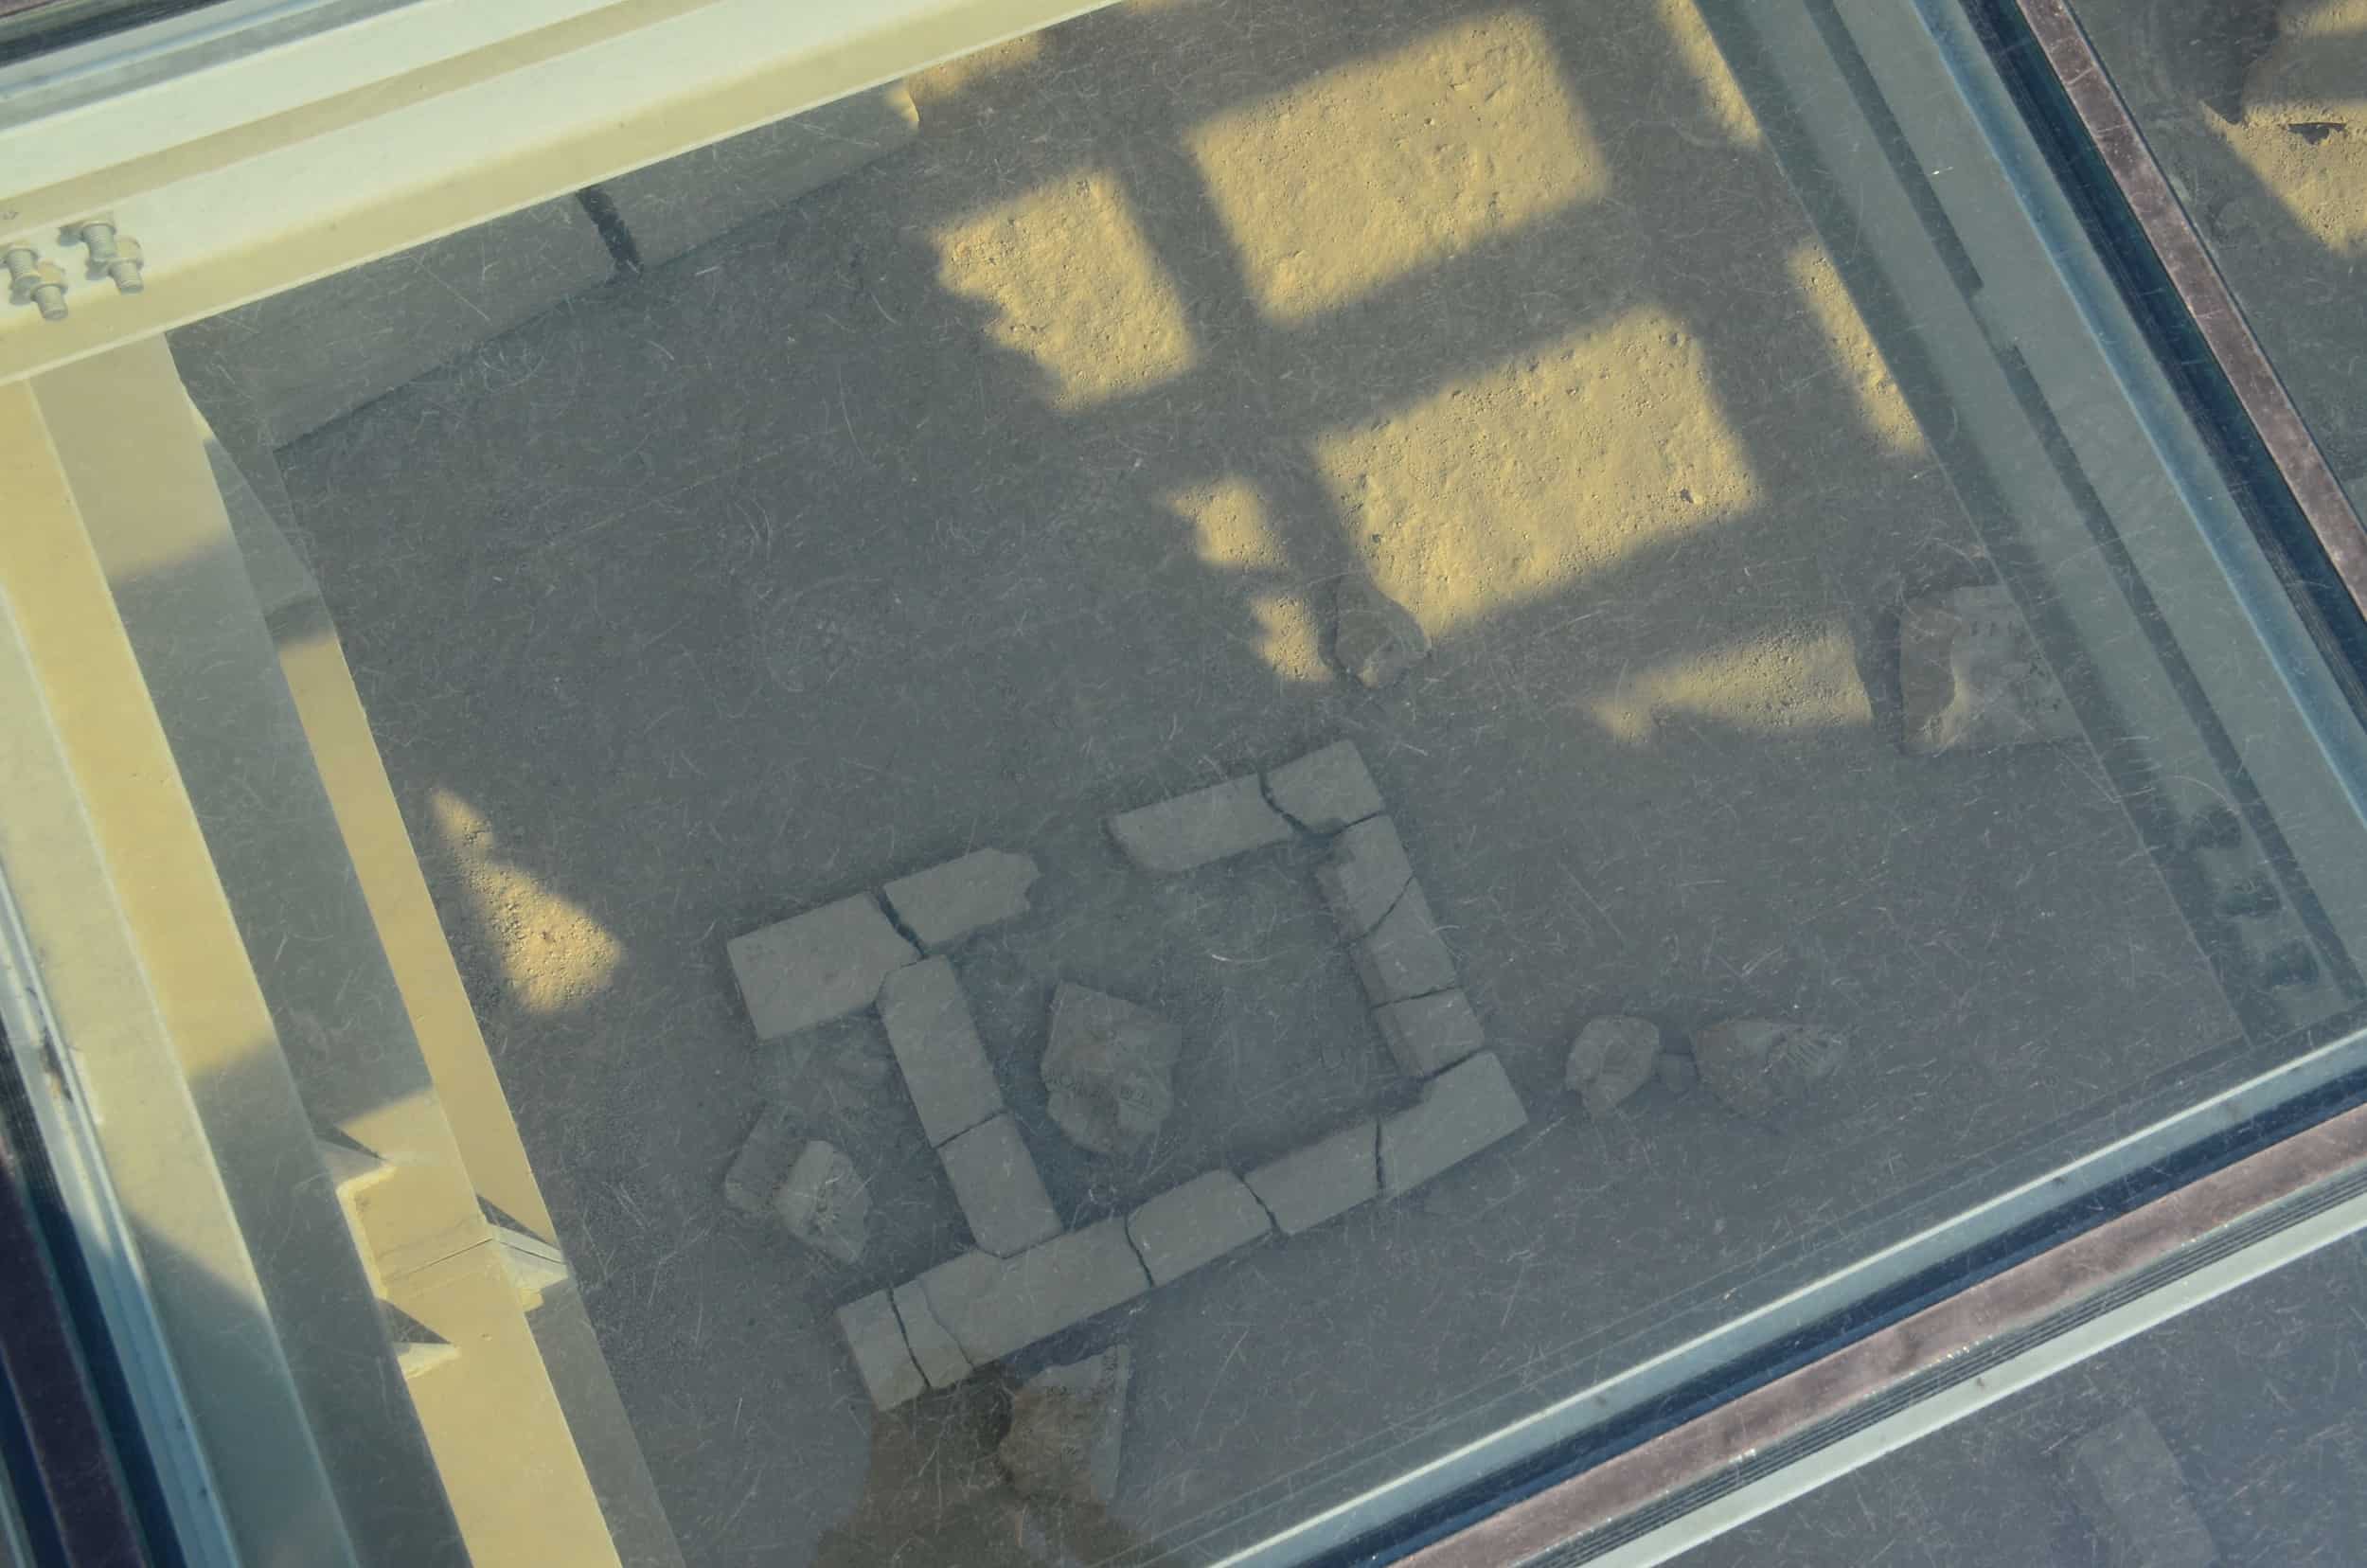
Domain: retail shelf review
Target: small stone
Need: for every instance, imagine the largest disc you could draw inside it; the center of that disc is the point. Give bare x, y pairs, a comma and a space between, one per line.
1405, 956
1193, 829
933, 1351
825, 1203
881, 1356
1067, 1430
947, 903
1325, 790
817, 966
993, 1305
1463, 1110
1374, 637
1366, 874
1676, 1072
936, 1047
1328, 1177
1195, 1223
1971, 676
1430, 1033
994, 1180
763, 1162
1611, 1058
1755, 1067
1109, 1070
2130, 1485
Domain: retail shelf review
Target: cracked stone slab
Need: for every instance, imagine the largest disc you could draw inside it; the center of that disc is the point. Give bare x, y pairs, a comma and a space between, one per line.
1324, 1179
1463, 1110
1971, 678
1068, 1425
1325, 790
2130, 1486
1366, 874
1109, 1070
1192, 830
1610, 1060
1405, 956
876, 1337
1756, 1067
932, 1349
817, 967
936, 1047
763, 1162
1429, 1034
994, 1305
825, 1203
947, 903
995, 1181
1195, 1223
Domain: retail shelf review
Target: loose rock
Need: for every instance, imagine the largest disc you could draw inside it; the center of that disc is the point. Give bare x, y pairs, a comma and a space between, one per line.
1067, 1430
1109, 1070
1366, 874
1755, 1067
1405, 956
1611, 1058
763, 1162
1325, 790
825, 1203
1193, 829
946, 903
1374, 637
1971, 676
817, 966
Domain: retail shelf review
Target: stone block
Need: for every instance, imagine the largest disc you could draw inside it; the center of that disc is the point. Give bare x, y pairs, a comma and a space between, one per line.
1610, 1060
763, 1162
817, 966
1463, 1110
1326, 1178
2129, 1485
881, 1356
1366, 874
1430, 1033
995, 1181
932, 1349
1197, 1223
936, 1047
994, 1305
1193, 829
675, 206
1404, 956
825, 1203
1109, 1070
1971, 676
947, 903
1325, 790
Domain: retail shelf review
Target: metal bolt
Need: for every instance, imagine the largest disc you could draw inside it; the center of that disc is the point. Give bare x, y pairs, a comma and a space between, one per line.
34, 281
112, 255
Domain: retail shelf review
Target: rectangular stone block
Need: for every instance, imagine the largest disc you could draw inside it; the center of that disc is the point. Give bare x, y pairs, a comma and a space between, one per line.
762, 1165
932, 1349
994, 1305
1365, 877
1327, 1178
676, 205
1197, 1223
876, 1339
1463, 1110
946, 903
937, 1049
817, 966
1430, 1033
1325, 790
2130, 1485
1193, 829
995, 1181
1404, 956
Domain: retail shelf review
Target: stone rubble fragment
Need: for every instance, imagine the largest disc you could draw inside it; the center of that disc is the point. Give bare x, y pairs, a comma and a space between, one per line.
1195, 1223
994, 1180
1374, 638
1404, 956
1067, 1430
1109, 1070
993, 1305
881, 1356
937, 1049
1365, 877
817, 966
1325, 790
2135, 1496
825, 1203
1611, 1058
1193, 829
763, 1162
947, 903
1755, 1067
1327, 1178
1971, 676
1463, 1110
932, 1349
1430, 1033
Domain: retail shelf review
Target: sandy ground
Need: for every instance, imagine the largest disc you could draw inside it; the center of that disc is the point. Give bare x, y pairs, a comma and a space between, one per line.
1001, 487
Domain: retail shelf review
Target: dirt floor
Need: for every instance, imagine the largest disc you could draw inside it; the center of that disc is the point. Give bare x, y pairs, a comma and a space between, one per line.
1003, 485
